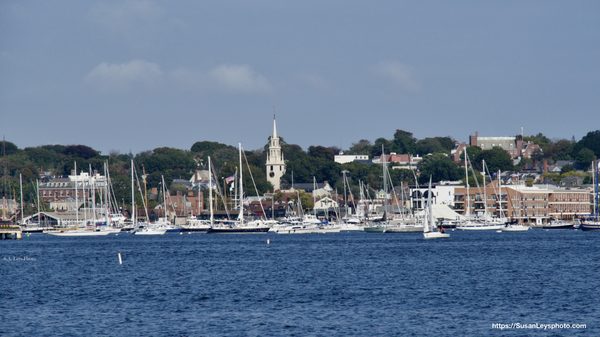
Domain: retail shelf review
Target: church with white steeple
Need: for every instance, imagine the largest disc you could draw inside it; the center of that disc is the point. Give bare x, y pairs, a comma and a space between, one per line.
275, 164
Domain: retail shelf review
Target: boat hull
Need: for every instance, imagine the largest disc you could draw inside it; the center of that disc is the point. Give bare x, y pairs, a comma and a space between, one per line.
151, 232
78, 233
404, 229
589, 226
562, 226
435, 235
516, 228
481, 228
238, 230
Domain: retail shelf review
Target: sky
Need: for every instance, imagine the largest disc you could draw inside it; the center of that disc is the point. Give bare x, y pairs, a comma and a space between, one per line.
134, 75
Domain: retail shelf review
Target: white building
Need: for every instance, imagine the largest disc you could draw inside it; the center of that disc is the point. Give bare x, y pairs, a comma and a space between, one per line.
348, 158
275, 164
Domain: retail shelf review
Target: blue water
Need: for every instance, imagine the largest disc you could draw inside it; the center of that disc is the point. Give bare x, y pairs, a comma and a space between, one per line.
322, 285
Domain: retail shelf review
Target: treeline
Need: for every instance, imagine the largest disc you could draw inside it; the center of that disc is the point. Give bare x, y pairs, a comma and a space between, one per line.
302, 165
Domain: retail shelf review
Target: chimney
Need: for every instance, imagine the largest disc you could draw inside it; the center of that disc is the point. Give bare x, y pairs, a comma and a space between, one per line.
545, 169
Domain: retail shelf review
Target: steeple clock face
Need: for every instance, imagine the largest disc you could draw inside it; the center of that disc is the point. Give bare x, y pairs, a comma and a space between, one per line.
271, 174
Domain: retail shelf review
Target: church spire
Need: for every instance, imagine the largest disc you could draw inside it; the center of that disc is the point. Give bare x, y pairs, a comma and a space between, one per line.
274, 128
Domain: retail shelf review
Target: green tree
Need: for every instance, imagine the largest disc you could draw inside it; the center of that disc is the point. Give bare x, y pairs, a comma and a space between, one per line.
590, 141
584, 158
439, 167
363, 147
8, 148
403, 142
495, 159
434, 145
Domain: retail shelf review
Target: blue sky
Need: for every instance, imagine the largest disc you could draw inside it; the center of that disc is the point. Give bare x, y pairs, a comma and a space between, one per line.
135, 75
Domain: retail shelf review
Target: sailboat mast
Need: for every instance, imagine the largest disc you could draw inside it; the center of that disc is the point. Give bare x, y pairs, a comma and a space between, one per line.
500, 195
21, 195
241, 214
314, 197
39, 207
133, 219
76, 198
484, 189
385, 186
596, 168
468, 201
210, 196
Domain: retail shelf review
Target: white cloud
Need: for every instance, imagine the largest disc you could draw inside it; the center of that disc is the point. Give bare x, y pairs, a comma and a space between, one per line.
124, 15
117, 77
239, 78
400, 74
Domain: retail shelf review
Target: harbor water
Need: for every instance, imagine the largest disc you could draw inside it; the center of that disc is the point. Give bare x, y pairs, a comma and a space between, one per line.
348, 284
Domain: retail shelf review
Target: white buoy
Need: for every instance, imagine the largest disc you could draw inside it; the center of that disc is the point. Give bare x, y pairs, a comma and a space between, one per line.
120, 258
268, 241
180, 233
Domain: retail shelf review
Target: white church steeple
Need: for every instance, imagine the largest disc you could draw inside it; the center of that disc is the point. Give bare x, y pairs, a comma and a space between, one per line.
275, 164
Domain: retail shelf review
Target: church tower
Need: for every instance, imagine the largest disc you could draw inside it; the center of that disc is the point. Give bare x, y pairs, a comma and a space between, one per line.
275, 164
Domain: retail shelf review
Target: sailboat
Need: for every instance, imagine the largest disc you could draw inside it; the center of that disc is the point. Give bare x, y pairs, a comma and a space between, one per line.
241, 226
193, 224
145, 228
429, 231
78, 229
592, 223
478, 224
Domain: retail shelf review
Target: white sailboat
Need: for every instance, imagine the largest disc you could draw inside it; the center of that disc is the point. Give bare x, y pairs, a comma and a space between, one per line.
78, 229
429, 231
241, 226
143, 228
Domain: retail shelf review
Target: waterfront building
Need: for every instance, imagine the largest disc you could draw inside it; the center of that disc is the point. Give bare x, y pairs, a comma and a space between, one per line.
533, 205
275, 164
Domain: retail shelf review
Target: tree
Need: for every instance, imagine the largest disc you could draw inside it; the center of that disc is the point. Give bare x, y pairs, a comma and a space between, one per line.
378, 145
560, 150
8, 148
327, 153
434, 145
80, 151
403, 142
495, 159
584, 158
590, 141
363, 147
439, 167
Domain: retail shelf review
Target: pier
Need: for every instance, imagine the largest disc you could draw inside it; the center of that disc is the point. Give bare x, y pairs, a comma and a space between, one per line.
10, 231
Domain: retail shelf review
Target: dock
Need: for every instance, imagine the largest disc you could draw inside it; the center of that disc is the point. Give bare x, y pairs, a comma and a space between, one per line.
10, 231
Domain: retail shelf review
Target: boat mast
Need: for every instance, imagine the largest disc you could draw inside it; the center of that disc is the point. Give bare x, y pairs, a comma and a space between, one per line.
210, 196
596, 168
429, 207
484, 190
385, 186
314, 197
468, 201
76, 198
241, 187
133, 219
21, 195
500, 195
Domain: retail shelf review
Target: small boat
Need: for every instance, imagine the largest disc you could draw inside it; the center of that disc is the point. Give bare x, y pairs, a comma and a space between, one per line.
473, 225
429, 231
77, 232
515, 228
236, 227
558, 224
589, 224
193, 224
